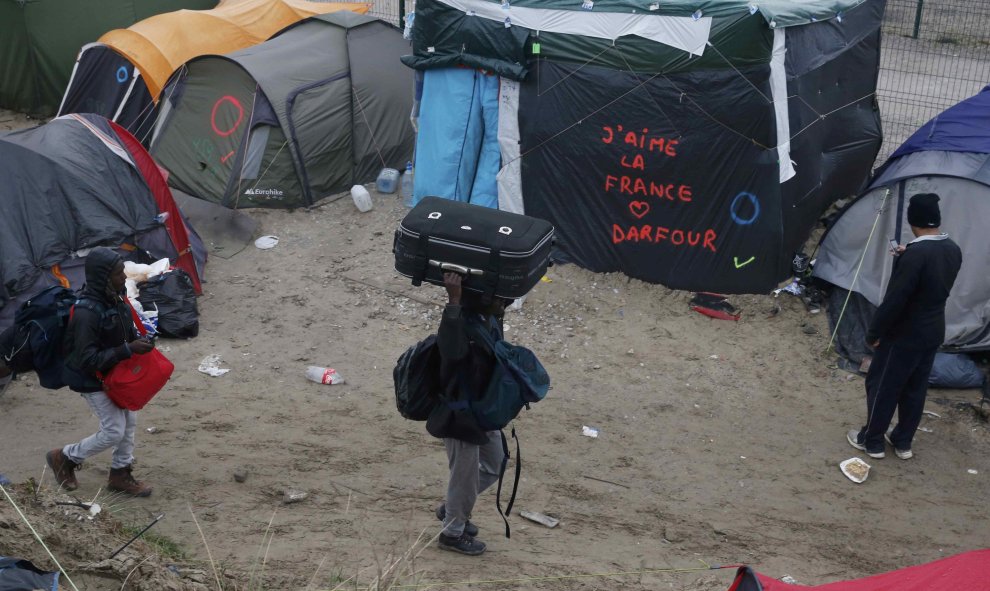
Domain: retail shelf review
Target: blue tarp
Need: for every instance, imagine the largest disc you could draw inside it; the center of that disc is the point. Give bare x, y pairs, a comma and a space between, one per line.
457, 152
964, 127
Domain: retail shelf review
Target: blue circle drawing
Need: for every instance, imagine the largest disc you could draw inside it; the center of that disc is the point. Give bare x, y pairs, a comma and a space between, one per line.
735, 204
122, 74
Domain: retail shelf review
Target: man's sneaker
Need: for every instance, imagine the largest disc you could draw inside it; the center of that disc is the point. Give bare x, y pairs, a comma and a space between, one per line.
904, 454
469, 528
464, 544
63, 469
853, 438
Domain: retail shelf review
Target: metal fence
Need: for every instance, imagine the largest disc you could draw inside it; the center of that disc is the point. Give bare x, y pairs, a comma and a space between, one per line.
934, 53
390, 11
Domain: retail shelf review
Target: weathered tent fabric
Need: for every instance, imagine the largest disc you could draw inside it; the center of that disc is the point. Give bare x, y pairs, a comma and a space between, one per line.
962, 180
701, 173
116, 76
960, 128
970, 570
288, 122
39, 41
72, 184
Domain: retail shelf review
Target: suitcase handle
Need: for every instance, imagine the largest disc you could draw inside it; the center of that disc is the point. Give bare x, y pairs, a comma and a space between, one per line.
456, 268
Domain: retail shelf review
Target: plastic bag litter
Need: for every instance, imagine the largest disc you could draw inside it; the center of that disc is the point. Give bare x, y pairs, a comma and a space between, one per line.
266, 242
139, 272
210, 365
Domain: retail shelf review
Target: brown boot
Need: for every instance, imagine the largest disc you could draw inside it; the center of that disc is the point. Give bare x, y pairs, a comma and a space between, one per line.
122, 481
63, 468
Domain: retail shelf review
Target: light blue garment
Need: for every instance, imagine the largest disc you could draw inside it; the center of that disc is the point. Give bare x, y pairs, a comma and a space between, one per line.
457, 152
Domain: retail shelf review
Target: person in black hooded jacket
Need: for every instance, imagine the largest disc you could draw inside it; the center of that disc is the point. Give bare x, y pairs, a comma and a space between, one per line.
474, 456
100, 335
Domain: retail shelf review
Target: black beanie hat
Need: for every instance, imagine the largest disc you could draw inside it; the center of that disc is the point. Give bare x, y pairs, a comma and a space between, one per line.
923, 211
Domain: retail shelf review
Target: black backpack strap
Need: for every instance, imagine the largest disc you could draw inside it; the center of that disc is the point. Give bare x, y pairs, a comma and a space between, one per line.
501, 474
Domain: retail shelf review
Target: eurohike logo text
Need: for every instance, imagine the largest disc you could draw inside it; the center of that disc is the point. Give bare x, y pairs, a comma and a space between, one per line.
270, 193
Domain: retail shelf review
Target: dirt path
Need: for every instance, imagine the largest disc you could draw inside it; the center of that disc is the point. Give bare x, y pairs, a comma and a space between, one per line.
722, 439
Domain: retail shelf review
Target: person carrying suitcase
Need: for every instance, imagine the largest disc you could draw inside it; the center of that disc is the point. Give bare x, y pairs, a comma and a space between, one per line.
474, 456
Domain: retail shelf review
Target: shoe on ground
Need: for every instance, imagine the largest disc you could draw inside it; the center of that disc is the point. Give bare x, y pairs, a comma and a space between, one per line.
63, 469
469, 528
853, 438
463, 544
904, 454
122, 481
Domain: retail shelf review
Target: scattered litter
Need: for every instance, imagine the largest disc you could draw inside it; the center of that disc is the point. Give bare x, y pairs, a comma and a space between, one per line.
589, 431
539, 518
933, 414
925, 429
788, 579
266, 242
240, 475
714, 305
292, 495
323, 375
140, 273
713, 357
972, 471
94, 510
546, 279
362, 198
210, 365
794, 288
855, 469
152, 430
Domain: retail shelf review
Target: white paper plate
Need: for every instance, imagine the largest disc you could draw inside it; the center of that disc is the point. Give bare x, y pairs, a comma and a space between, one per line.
846, 467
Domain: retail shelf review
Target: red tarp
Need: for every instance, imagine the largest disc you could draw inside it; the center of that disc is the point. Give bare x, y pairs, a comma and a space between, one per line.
963, 572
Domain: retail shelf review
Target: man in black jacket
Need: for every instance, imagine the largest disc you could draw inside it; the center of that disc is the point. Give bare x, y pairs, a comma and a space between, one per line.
473, 455
907, 330
102, 334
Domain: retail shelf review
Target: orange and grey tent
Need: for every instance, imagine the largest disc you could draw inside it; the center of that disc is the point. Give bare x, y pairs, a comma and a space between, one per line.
122, 74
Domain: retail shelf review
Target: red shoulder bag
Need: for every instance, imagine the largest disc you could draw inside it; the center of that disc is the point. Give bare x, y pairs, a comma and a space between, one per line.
134, 381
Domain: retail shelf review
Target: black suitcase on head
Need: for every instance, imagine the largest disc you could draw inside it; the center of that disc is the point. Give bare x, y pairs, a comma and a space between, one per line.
500, 253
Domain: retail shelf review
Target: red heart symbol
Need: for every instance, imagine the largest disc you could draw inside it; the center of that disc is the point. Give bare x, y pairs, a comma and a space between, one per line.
639, 208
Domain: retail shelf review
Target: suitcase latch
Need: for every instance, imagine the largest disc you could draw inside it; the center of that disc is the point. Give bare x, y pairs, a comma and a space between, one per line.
505, 230
435, 215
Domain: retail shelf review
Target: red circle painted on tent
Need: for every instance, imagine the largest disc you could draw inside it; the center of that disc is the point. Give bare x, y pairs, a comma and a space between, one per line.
213, 115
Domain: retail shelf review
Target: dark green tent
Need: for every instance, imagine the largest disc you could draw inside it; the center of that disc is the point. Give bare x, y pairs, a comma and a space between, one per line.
39, 40
318, 108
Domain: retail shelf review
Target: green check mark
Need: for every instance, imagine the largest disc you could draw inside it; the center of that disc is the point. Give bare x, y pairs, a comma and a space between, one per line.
744, 263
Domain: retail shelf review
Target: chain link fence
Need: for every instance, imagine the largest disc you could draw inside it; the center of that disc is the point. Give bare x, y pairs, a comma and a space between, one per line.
934, 54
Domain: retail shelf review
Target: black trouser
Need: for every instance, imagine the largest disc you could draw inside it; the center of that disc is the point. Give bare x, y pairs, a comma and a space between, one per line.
898, 378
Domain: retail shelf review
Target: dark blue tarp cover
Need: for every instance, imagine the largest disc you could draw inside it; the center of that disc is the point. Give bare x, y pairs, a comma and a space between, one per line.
964, 127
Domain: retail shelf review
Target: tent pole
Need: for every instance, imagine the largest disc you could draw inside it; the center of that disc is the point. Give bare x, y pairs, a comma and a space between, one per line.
862, 258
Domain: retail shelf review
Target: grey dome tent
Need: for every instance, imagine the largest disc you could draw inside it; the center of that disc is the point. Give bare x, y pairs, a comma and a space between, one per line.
949, 156
77, 182
318, 108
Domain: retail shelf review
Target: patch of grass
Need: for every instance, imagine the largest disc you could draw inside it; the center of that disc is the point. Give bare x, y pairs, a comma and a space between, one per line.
164, 545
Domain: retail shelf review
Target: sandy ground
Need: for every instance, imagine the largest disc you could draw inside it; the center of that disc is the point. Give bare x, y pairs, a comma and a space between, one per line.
720, 440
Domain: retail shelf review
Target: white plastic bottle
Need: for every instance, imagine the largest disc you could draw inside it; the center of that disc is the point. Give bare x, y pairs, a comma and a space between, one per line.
406, 186
362, 198
323, 375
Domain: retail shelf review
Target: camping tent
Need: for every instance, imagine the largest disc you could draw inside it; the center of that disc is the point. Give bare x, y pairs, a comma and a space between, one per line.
121, 75
77, 182
690, 144
949, 156
970, 570
320, 107
39, 41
